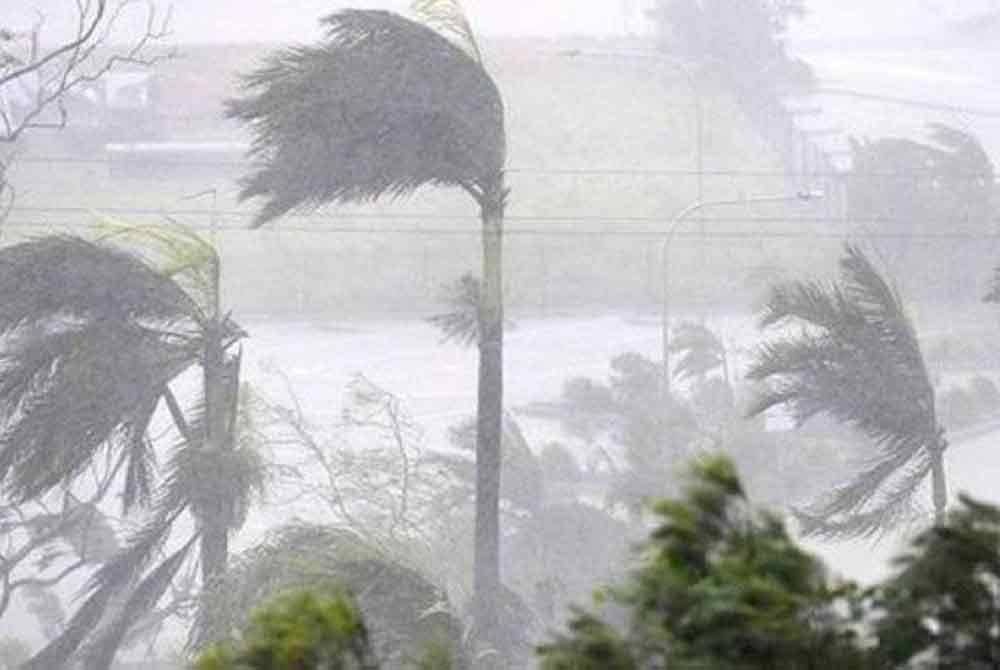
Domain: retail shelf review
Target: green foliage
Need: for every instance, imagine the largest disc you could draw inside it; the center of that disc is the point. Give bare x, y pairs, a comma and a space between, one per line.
720, 586
591, 644
436, 655
943, 603
857, 359
297, 631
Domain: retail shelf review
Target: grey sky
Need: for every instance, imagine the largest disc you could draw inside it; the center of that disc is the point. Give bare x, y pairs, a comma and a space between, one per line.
295, 20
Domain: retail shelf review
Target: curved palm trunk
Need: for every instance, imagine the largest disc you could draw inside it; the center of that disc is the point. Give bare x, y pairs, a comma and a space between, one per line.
489, 418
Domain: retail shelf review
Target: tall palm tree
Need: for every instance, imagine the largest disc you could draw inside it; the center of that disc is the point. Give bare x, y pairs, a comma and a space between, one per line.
91, 338
384, 106
856, 357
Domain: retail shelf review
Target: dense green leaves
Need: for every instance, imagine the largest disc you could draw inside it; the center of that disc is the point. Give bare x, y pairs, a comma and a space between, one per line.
944, 600
719, 586
297, 631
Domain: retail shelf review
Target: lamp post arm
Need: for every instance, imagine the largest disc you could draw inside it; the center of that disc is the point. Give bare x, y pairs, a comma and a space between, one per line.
681, 217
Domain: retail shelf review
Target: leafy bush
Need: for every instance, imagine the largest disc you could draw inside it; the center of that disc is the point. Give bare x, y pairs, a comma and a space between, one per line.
298, 631
721, 586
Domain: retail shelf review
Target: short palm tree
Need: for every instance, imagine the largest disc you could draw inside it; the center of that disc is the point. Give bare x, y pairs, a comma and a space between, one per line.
384, 106
856, 357
92, 337
702, 352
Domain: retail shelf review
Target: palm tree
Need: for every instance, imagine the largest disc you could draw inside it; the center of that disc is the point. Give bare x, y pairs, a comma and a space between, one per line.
91, 338
384, 106
856, 358
702, 351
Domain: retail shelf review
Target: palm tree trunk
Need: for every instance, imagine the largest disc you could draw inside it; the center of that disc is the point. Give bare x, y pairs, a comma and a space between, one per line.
214, 522
489, 418
939, 487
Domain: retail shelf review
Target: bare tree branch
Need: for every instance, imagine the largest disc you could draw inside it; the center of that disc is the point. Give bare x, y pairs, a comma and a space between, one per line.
71, 65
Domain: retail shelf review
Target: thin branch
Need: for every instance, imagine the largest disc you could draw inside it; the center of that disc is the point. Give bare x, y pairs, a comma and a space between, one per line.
93, 32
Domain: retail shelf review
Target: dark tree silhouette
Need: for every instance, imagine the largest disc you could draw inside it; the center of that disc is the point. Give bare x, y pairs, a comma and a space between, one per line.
856, 357
382, 107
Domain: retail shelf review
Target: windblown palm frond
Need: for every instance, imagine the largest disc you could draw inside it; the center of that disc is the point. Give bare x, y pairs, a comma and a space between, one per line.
461, 323
90, 339
857, 358
101, 653
702, 350
383, 107
176, 252
449, 19
90, 336
64, 394
62, 276
114, 580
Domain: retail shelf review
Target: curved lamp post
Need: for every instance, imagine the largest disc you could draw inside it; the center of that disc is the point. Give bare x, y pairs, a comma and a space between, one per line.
681, 217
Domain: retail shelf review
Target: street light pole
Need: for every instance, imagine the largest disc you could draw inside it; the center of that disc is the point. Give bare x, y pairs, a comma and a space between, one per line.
681, 217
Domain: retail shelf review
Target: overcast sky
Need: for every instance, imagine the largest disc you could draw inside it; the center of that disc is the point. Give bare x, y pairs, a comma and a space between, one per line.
295, 20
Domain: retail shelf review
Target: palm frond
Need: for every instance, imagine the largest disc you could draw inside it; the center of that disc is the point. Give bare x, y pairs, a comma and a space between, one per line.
58, 652
461, 323
869, 504
66, 394
176, 251
449, 19
63, 276
110, 581
382, 107
701, 350
125, 568
858, 360
143, 598
141, 460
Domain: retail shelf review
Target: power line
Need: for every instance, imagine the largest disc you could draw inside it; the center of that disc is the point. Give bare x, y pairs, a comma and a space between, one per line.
317, 219
417, 217
444, 232
582, 172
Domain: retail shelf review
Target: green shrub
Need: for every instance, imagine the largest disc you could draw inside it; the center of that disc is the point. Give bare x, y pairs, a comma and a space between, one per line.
297, 631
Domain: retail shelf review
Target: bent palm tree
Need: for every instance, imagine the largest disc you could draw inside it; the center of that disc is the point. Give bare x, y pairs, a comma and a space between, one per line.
90, 339
857, 359
384, 106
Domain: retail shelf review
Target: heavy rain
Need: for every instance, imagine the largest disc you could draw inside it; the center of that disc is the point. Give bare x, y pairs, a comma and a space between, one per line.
437, 334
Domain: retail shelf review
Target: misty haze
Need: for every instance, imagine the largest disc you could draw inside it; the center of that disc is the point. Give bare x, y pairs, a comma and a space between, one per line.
473, 334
